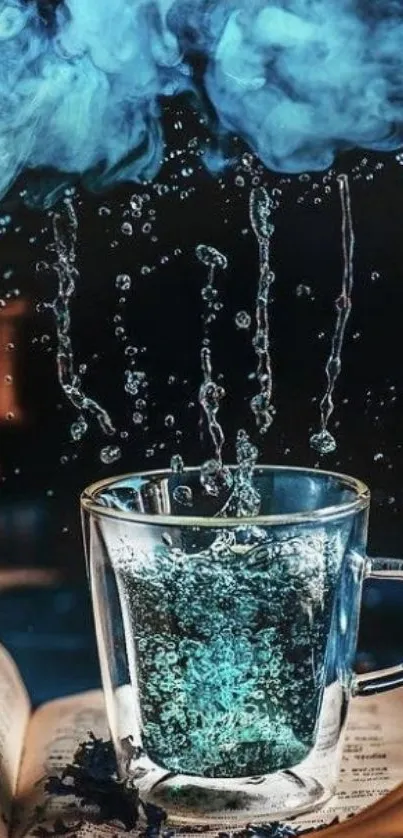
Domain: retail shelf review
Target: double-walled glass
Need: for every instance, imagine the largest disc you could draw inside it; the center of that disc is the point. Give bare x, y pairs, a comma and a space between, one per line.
227, 644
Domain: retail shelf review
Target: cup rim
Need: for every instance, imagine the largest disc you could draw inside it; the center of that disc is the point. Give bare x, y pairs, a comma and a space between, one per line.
89, 503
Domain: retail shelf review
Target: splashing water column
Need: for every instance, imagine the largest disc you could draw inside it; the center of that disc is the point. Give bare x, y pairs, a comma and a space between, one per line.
323, 441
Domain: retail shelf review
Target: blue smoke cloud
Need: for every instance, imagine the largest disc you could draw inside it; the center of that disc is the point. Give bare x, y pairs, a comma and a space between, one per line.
82, 88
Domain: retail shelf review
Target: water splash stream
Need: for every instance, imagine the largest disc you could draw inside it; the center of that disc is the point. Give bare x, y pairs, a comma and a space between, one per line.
260, 207
65, 238
324, 442
211, 393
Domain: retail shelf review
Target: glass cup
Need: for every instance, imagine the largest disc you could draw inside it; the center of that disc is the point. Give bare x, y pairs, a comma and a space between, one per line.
227, 644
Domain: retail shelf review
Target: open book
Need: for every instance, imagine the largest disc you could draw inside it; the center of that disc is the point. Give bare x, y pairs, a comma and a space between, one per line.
35, 747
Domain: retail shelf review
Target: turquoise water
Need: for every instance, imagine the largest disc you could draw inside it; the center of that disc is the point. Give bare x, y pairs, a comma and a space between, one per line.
230, 642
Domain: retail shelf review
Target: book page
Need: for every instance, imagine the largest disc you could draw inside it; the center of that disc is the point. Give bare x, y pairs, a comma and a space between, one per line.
372, 761
53, 736
372, 764
14, 715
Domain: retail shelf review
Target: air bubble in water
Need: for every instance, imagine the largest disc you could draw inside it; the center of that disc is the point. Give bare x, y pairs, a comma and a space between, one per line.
243, 320
110, 454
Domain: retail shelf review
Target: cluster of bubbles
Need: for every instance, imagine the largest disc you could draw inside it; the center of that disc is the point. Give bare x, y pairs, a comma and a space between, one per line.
230, 643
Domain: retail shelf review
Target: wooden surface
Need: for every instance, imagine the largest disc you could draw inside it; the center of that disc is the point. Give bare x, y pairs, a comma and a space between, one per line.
384, 819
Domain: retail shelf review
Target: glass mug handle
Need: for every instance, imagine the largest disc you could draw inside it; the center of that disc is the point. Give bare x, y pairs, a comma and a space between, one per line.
385, 570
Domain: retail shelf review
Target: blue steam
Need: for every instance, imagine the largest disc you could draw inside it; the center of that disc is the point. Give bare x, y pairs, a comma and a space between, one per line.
82, 88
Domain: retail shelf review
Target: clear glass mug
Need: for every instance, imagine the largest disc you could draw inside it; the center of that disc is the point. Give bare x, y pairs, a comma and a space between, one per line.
227, 645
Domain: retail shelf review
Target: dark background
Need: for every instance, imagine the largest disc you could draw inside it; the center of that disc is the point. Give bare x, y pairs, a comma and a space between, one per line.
43, 470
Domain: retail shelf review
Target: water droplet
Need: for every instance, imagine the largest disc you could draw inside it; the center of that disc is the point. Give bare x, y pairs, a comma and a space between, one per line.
303, 290
260, 207
110, 454
378, 457
131, 351
78, 429
247, 161
104, 211
136, 203
169, 421
137, 418
209, 293
133, 381
323, 442
177, 464
8, 379
123, 282
145, 270
127, 228
146, 228
183, 495
210, 256
215, 478
243, 320
375, 276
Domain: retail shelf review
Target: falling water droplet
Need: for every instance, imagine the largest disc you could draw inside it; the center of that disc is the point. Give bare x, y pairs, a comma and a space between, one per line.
211, 257
323, 442
177, 464
183, 495
243, 320
110, 454
123, 282
78, 429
